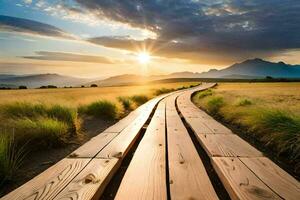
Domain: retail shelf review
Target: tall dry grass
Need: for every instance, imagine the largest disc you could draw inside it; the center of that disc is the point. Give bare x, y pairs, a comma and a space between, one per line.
270, 112
43, 119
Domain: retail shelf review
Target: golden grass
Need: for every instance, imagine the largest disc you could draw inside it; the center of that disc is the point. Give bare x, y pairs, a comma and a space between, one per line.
270, 112
80, 96
284, 96
263, 96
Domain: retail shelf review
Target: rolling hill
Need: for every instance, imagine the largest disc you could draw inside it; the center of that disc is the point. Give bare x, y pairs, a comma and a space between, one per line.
256, 68
249, 69
37, 80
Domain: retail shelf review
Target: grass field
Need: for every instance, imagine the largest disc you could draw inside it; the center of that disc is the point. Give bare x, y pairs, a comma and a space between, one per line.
270, 112
78, 96
36, 119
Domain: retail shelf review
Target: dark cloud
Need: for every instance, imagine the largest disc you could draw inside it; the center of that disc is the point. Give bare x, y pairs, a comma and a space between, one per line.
62, 56
14, 24
204, 54
235, 28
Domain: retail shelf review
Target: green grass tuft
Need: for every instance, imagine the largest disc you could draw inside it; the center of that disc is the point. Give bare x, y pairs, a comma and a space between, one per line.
244, 102
283, 131
62, 113
20, 110
205, 93
23, 109
11, 157
126, 102
139, 99
163, 91
43, 132
103, 108
194, 85
214, 104
181, 88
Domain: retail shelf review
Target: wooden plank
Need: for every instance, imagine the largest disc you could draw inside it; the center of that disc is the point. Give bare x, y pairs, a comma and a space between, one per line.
91, 181
191, 112
93, 146
227, 146
49, 183
274, 177
239, 181
123, 123
121, 144
188, 177
216, 127
145, 177
198, 126
132, 123
199, 121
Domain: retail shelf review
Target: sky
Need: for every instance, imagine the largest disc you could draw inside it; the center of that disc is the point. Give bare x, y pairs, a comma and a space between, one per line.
100, 38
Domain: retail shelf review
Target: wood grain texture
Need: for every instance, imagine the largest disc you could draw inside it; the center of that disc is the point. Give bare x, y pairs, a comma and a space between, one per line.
198, 120
97, 143
230, 145
145, 177
217, 127
276, 178
146, 107
94, 145
123, 123
49, 183
188, 177
91, 181
121, 144
198, 126
239, 181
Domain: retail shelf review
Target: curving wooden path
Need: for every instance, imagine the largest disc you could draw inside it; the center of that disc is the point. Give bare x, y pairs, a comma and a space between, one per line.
165, 164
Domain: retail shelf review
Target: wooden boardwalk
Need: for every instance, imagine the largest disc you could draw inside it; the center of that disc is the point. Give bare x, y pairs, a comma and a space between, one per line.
165, 164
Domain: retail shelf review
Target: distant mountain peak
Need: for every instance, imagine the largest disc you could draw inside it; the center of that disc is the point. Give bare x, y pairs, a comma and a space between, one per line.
37, 80
281, 63
255, 60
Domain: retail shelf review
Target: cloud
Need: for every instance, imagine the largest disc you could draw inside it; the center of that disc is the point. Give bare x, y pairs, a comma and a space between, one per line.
179, 50
26, 26
233, 28
62, 56
27, 1
63, 10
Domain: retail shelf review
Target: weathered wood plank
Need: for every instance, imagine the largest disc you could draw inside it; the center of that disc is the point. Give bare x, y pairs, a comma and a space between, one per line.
145, 177
49, 183
188, 177
91, 181
93, 146
228, 145
121, 144
123, 123
199, 121
217, 127
239, 181
198, 126
273, 176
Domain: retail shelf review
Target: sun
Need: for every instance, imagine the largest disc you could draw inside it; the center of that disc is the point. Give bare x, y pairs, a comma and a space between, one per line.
143, 57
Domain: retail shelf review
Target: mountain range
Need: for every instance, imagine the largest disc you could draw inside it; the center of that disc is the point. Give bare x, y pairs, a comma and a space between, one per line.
249, 69
37, 80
